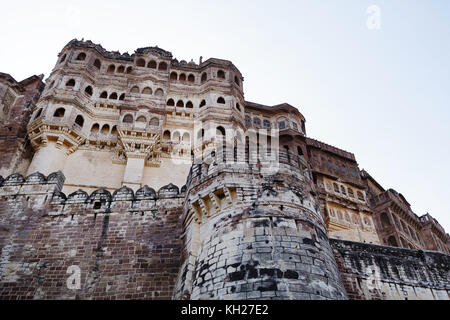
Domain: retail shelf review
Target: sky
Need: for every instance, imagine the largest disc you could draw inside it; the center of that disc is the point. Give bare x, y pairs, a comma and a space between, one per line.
379, 88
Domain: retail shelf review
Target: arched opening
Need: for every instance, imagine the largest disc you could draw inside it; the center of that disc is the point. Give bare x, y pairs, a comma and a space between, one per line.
88, 90
81, 56
111, 68
392, 241
162, 66
238, 106
63, 58
38, 114
204, 77
59, 113
299, 151
189, 104
221, 100
159, 92
182, 77
170, 102
97, 64
121, 69
385, 222
95, 128
70, 83
135, 89
104, 95
173, 76
180, 103
122, 96
166, 135
128, 118
114, 130
105, 129
220, 131
176, 136
221, 74
203, 103
129, 69
360, 195
186, 137
350, 192
151, 64
236, 80
191, 78
79, 120
113, 96
141, 119
140, 63
154, 122
147, 90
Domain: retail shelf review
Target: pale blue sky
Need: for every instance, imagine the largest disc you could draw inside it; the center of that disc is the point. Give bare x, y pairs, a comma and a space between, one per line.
381, 94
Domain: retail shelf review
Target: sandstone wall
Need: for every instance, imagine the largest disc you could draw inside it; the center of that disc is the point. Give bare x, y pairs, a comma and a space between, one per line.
125, 245
374, 272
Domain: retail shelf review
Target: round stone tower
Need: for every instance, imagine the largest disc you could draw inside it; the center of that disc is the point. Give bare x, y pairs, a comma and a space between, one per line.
254, 231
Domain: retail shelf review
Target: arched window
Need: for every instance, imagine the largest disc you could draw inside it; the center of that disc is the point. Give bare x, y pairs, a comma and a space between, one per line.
121, 69
189, 104
220, 131
95, 128
129, 69
63, 58
88, 90
135, 89
97, 64
385, 222
186, 137
204, 77
236, 80
360, 195
113, 96
350, 192
141, 119
151, 64
299, 151
173, 76
392, 242
203, 103
182, 77
180, 103
128, 119
59, 113
162, 66
221, 100
266, 124
38, 114
81, 56
122, 96
79, 120
238, 106
114, 130
111, 68
176, 136
343, 190
221, 74
154, 122
70, 83
140, 63
104, 95
166, 135
159, 92
248, 121
105, 129
257, 122
170, 102
281, 124
336, 187
191, 78
147, 90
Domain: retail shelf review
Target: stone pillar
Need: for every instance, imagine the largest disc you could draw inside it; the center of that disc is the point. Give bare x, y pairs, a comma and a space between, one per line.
253, 236
49, 158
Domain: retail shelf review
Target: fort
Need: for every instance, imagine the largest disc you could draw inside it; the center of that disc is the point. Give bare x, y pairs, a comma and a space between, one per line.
158, 180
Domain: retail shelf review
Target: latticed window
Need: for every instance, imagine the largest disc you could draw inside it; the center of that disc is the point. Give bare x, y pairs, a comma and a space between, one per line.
248, 121
266, 124
257, 122
281, 125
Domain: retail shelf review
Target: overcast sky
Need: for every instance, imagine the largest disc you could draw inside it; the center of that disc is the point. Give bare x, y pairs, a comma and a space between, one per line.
382, 94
